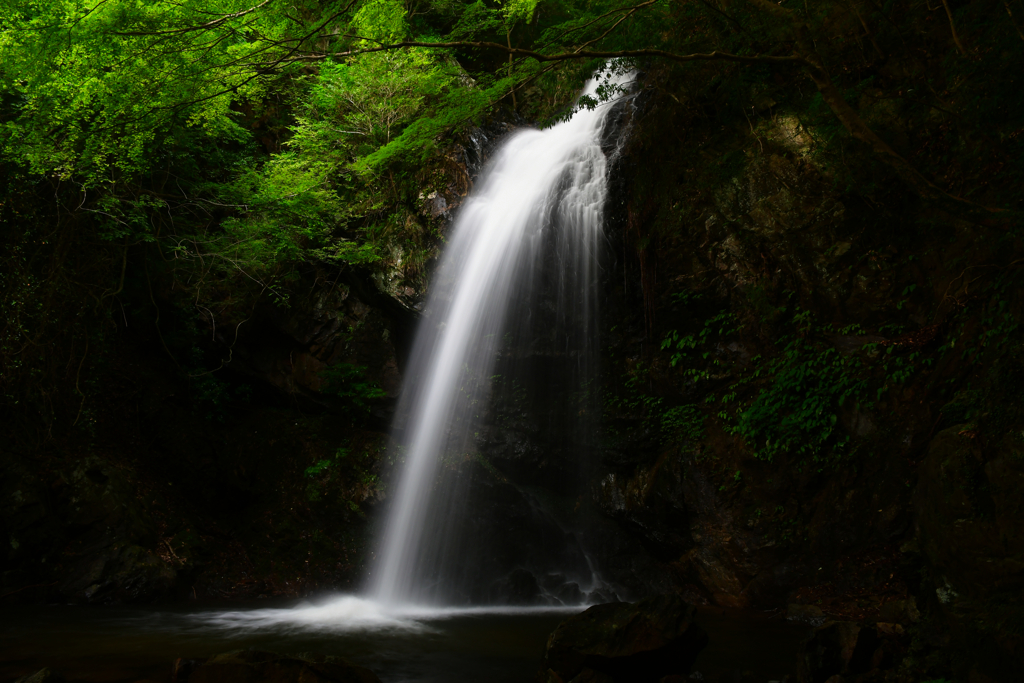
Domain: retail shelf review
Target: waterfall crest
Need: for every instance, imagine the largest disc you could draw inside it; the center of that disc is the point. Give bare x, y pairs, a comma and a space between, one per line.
542, 197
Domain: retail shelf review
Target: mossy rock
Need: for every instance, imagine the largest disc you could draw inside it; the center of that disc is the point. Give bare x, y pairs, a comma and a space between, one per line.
970, 515
642, 641
257, 666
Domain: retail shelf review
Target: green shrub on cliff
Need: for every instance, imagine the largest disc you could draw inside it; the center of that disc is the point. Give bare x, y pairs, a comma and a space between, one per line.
798, 412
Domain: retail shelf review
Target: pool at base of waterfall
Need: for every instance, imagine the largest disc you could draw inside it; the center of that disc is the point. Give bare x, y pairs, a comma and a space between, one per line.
404, 644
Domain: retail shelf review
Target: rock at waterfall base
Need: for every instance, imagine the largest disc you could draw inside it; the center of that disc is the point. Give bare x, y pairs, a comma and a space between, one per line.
849, 651
642, 641
255, 666
42, 676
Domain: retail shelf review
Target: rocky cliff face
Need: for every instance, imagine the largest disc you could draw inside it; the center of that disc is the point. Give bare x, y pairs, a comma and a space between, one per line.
259, 487
237, 455
807, 383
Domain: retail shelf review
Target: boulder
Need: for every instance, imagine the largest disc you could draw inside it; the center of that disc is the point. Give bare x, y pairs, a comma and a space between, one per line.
120, 573
846, 650
636, 642
257, 666
810, 614
42, 676
969, 518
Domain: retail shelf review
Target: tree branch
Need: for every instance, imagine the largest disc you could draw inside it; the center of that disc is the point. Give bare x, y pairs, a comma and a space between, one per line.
201, 27
627, 8
952, 27
562, 56
805, 55
613, 26
1013, 21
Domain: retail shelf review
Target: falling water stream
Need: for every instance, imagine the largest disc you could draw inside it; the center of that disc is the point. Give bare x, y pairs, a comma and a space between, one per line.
545, 190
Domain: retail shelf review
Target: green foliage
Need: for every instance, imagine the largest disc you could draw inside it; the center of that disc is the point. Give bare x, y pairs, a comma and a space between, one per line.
789, 402
680, 425
683, 423
798, 412
634, 400
685, 348
348, 382
356, 107
131, 102
212, 395
322, 466
93, 88
519, 10
963, 408
347, 477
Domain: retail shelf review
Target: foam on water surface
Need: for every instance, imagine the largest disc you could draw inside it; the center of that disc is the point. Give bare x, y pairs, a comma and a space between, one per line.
350, 613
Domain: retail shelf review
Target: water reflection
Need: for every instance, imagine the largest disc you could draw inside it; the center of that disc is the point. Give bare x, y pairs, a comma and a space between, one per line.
402, 644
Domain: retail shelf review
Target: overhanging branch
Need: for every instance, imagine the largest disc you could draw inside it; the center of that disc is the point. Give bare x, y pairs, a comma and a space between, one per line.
561, 56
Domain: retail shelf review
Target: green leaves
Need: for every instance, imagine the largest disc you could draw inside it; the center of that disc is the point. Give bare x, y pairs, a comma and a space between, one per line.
683, 423
718, 326
519, 10
359, 106
349, 382
797, 412
380, 21
102, 87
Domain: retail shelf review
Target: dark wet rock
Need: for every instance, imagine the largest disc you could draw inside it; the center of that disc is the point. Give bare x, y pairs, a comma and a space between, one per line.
31, 527
291, 347
42, 676
183, 668
810, 614
969, 515
520, 587
589, 675
850, 651
256, 666
80, 533
103, 506
107, 560
121, 573
642, 641
903, 612
970, 529
852, 344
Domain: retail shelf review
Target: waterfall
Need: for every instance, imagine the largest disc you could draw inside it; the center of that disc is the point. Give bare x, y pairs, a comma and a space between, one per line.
537, 208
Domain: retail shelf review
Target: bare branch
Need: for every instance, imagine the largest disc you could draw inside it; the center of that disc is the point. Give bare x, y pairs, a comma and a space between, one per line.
611, 28
593, 21
191, 29
1013, 21
952, 27
563, 56
732, 20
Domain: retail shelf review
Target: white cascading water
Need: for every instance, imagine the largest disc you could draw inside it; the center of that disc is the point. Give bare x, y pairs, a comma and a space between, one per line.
530, 233
538, 180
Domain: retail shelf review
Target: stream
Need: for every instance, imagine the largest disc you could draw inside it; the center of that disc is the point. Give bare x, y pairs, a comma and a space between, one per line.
117, 643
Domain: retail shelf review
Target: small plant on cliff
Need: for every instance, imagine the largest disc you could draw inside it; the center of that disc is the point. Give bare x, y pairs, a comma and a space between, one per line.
683, 423
349, 382
798, 411
350, 474
688, 348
